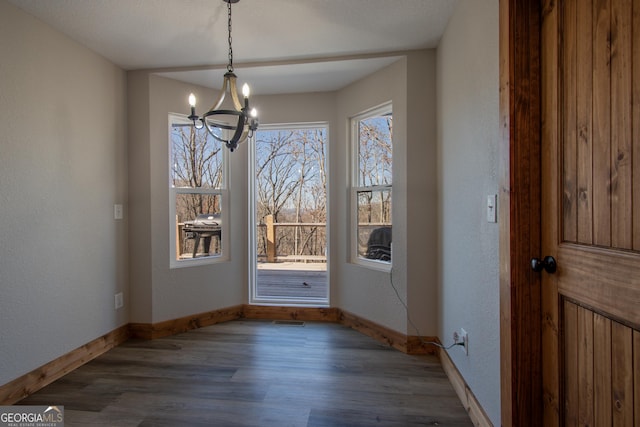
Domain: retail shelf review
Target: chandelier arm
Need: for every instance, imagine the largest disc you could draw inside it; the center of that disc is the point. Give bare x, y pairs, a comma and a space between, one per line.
231, 145
223, 94
224, 113
234, 93
244, 136
239, 128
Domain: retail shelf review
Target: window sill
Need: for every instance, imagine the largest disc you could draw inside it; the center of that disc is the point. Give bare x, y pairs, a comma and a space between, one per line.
373, 264
194, 262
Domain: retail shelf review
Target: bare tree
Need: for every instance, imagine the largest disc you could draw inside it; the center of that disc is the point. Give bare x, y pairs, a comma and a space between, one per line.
275, 172
197, 164
291, 185
375, 168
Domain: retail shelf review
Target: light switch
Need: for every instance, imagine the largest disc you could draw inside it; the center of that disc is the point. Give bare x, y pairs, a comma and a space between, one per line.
492, 211
117, 211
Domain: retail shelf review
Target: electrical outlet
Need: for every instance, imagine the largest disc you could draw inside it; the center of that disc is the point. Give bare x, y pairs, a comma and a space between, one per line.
461, 338
464, 338
119, 300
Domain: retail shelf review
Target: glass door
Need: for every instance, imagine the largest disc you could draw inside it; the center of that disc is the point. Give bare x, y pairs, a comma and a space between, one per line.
288, 202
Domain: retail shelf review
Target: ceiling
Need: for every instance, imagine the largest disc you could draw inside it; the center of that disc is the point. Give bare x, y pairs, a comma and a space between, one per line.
279, 46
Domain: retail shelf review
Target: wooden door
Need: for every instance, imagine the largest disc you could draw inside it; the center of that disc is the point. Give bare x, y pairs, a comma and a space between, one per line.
591, 212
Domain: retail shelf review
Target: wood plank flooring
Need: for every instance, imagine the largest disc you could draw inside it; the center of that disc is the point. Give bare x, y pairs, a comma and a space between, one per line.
257, 373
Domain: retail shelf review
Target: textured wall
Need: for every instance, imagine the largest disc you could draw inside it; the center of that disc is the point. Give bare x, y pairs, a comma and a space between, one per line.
62, 168
468, 134
363, 291
421, 193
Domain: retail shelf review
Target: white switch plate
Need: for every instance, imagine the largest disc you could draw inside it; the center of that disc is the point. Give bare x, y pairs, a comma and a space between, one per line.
119, 300
117, 211
492, 208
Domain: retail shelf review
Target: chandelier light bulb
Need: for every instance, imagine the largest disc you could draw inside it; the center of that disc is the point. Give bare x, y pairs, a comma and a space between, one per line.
193, 117
245, 90
254, 112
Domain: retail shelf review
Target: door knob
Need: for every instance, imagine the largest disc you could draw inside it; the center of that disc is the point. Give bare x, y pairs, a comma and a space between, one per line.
548, 264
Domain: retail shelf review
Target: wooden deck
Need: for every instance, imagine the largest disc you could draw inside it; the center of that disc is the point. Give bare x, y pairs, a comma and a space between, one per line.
292, 280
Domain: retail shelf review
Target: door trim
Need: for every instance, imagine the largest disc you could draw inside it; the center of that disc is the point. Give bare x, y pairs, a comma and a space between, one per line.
519, 206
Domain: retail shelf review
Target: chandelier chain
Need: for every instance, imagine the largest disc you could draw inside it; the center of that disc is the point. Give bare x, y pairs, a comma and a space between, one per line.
230, 66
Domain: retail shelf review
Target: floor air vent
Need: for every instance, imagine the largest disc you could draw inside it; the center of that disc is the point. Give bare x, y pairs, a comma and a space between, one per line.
289, 322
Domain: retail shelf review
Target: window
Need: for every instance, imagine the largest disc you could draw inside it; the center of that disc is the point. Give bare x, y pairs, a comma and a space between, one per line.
198, 195
372, 162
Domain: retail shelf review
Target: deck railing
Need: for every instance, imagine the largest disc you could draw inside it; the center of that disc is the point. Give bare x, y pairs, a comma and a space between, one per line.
286, 241
304, 241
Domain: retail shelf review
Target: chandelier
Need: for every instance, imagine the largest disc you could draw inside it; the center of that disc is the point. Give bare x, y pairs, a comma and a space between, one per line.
234, 124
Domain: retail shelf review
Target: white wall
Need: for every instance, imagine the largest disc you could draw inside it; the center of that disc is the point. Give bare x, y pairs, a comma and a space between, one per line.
63, 166
468, 133
421, 194
410, 85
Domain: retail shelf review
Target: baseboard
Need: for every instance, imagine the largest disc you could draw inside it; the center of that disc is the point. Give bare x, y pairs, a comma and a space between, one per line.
476, 412
397, 340
167, 328
33, 381
183, 324
310, 314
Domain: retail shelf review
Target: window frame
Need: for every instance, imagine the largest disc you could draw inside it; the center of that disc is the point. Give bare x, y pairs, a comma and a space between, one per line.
222, 192
355, 187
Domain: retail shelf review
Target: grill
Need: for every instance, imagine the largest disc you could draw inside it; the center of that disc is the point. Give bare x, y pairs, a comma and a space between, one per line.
379, 244
205, 226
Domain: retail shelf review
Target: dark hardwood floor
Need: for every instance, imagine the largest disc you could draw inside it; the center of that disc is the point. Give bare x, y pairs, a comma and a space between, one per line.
257, 373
